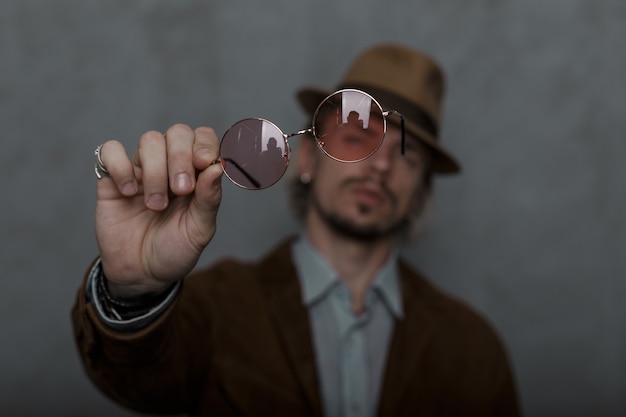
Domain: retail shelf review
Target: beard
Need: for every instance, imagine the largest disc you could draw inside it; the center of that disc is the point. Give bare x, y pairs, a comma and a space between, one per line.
350, 230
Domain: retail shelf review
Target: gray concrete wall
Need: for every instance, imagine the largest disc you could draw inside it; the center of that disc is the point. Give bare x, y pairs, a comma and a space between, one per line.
533, 233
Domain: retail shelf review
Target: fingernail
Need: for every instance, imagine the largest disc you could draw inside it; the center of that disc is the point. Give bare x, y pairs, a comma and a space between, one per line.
182, 181
156, 201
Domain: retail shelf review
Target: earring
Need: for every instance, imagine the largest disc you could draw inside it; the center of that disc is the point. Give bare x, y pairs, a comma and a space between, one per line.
305, 178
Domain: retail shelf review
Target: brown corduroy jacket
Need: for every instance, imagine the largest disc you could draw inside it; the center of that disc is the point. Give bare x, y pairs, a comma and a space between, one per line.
237, 342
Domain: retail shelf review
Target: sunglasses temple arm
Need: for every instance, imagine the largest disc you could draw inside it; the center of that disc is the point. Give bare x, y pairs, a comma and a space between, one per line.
242, 170
403, 140
403, 143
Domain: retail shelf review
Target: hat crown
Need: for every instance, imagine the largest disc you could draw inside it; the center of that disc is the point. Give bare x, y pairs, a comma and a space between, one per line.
402, 71
400, 79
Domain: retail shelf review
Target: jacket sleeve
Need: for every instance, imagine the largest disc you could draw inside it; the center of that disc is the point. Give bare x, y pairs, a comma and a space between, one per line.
156, 369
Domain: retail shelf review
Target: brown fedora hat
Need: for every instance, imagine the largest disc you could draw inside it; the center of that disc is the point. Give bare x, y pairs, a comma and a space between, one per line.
404, 80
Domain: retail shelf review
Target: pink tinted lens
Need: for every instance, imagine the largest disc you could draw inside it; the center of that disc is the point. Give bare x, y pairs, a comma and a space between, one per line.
349, 126
254, 153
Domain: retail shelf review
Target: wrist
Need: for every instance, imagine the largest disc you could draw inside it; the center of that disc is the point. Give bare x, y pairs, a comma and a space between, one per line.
127, 287
133, 292
132, 304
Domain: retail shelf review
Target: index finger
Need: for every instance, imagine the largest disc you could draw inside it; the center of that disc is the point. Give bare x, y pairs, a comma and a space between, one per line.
206, 148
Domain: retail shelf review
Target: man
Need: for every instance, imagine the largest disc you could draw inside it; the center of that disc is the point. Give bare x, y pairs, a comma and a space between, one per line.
331, 322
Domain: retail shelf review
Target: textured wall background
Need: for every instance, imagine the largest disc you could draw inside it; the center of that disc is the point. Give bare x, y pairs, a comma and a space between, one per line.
533, 233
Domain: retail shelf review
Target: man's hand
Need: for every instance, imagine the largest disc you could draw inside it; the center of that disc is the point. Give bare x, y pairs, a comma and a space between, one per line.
156, 212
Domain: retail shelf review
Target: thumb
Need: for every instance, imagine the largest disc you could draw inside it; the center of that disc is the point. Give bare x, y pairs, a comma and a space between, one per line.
208, 191
205, 204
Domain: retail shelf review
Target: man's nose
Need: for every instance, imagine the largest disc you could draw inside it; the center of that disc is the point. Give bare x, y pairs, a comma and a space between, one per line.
381, 160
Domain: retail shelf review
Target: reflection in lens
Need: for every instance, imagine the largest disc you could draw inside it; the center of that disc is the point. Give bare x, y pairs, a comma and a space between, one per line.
254, 153
349, 125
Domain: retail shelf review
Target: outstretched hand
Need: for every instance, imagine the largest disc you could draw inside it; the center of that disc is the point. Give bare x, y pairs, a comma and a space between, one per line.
156, 212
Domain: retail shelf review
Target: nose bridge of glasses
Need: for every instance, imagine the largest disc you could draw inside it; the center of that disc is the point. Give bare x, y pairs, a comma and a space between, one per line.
308, 131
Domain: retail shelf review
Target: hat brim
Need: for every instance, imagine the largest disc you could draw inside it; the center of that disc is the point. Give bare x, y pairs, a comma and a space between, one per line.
444, 162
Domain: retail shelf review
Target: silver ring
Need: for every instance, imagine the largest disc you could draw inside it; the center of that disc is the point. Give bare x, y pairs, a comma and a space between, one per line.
100, 169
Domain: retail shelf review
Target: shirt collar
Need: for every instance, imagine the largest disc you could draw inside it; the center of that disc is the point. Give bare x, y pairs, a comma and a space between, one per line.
318, 278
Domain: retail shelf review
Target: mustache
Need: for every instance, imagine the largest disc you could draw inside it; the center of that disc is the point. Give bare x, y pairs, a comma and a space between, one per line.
367, 180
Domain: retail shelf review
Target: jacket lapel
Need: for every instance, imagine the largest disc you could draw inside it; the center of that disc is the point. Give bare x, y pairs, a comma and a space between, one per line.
282, 291
410, 338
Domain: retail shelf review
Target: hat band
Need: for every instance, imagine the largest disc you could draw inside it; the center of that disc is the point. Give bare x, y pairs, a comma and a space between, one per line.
392, 101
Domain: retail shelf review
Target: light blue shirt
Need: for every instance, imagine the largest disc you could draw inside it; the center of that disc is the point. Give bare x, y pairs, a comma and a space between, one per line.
351, 349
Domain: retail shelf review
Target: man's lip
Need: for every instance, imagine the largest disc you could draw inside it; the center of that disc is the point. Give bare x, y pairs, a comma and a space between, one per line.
369, 195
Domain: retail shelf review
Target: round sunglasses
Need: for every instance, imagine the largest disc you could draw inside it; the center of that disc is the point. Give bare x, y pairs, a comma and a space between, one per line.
348, 126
